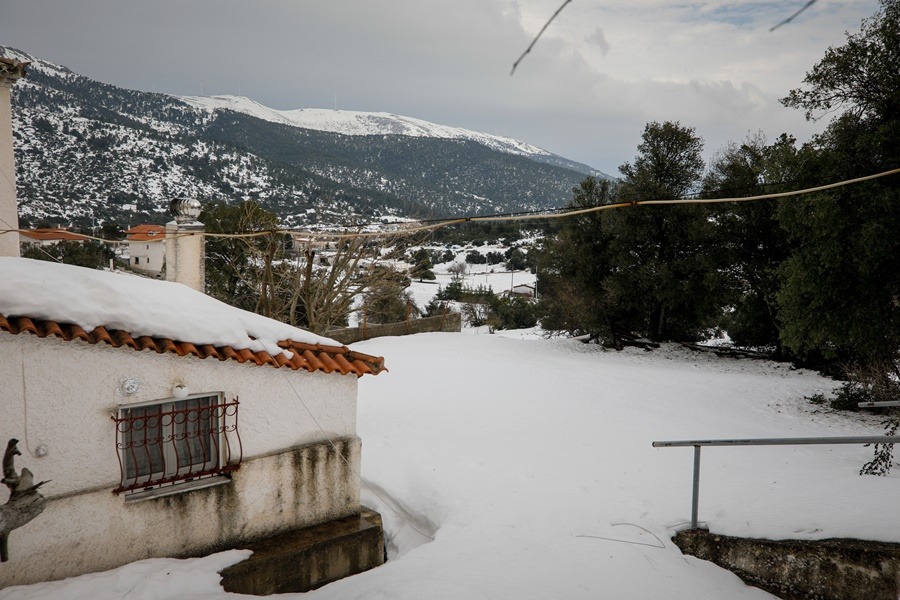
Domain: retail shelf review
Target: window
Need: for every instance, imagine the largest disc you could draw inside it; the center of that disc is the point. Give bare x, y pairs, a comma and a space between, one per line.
171, 442
137, 260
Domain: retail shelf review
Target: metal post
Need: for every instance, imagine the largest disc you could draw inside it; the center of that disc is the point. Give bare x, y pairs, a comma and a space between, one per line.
695, 499
697, 444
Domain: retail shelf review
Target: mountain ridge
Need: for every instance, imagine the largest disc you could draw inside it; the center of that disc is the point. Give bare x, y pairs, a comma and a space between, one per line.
88, 152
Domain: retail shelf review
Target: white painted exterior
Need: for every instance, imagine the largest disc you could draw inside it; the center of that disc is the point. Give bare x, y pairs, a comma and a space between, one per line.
9, 215
185, 254
147, 256
61, 394
523, 289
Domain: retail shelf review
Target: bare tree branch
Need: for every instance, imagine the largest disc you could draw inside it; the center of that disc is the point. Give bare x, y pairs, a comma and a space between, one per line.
534, 41
793, 16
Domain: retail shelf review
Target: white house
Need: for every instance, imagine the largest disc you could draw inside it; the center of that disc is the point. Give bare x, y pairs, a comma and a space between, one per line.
523, 289
167, 423
146, 248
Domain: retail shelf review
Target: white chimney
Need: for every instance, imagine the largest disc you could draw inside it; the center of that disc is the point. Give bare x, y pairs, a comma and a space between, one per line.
10, 72
185, 246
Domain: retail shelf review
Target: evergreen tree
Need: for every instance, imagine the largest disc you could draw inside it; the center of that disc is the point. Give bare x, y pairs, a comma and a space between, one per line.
574, 268
90, 253
235, 266
388, 301
663, 256
842, 281
422, 266
751, 244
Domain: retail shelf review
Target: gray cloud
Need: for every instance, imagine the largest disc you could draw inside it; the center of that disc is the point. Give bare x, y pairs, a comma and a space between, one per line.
598, 39
448, 62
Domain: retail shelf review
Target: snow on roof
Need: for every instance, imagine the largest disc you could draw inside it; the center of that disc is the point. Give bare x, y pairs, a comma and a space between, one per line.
91, 298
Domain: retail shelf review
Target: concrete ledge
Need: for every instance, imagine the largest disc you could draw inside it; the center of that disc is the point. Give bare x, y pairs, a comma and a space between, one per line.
833, 569
309, 558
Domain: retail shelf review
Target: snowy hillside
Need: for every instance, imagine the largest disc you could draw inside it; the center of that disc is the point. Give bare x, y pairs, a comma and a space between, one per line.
89, 153
526, 466
356, 123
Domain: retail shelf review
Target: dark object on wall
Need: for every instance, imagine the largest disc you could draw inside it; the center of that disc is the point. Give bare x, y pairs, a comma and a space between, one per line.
24, 504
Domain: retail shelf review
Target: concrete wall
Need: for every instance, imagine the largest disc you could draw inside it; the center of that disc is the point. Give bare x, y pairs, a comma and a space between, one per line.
836, 569
349, 335
186, 254
95, 531
9, 216
62, 394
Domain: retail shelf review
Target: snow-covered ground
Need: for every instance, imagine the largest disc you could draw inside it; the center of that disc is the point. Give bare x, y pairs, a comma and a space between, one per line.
529, 463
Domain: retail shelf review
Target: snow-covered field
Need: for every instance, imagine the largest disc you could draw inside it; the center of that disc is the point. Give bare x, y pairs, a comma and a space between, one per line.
529, 463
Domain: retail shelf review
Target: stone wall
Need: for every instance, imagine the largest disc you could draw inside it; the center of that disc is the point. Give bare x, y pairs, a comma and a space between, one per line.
449, 322
834, 569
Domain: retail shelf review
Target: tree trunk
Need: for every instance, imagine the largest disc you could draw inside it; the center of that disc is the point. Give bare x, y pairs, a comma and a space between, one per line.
24, 504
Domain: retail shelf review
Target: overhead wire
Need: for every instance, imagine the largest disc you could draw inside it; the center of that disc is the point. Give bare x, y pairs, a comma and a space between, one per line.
415, 227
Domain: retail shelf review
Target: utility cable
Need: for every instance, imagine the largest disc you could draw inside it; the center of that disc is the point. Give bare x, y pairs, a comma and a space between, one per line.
424, 226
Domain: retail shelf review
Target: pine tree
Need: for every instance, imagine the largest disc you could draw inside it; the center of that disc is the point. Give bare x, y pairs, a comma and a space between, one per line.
422, 266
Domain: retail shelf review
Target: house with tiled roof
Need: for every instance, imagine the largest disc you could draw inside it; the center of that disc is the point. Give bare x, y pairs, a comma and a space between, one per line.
169, 424
48, 236
146, 248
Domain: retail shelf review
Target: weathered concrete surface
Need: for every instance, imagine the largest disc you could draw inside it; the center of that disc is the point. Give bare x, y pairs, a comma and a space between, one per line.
309, 558
834, 569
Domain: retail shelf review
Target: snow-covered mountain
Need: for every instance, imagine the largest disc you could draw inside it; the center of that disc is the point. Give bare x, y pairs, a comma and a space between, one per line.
348, 122
89, 152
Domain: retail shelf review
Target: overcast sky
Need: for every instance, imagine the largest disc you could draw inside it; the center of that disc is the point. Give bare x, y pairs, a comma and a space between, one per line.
601, 71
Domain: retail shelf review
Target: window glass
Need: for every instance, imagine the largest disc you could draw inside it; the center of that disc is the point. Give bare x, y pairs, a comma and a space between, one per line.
170, 441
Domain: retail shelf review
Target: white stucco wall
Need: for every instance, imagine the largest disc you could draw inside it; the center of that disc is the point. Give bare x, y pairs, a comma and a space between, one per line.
9, 216
67, 391
62, 394
97, 531
155, 251
185, 254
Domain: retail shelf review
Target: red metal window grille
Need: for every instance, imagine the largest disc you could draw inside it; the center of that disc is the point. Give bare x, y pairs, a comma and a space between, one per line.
177, 441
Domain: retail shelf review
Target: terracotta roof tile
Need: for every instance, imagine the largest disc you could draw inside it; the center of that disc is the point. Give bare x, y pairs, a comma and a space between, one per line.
145, 233
309, 357
52, 234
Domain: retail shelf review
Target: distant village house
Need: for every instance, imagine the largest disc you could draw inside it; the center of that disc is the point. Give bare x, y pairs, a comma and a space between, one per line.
146, 248
48, 236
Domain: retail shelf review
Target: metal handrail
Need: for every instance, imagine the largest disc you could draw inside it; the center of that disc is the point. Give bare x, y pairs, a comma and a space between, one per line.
697, 444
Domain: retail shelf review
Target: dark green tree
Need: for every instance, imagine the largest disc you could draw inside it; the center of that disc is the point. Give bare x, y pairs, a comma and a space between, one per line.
839, 301
516, 259
389, 301
663, 256
512, 312
422, 266
751, 244
239, 270
90, 254
574, 267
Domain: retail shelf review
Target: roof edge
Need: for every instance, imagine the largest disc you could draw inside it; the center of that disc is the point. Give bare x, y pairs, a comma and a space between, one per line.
309, 357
